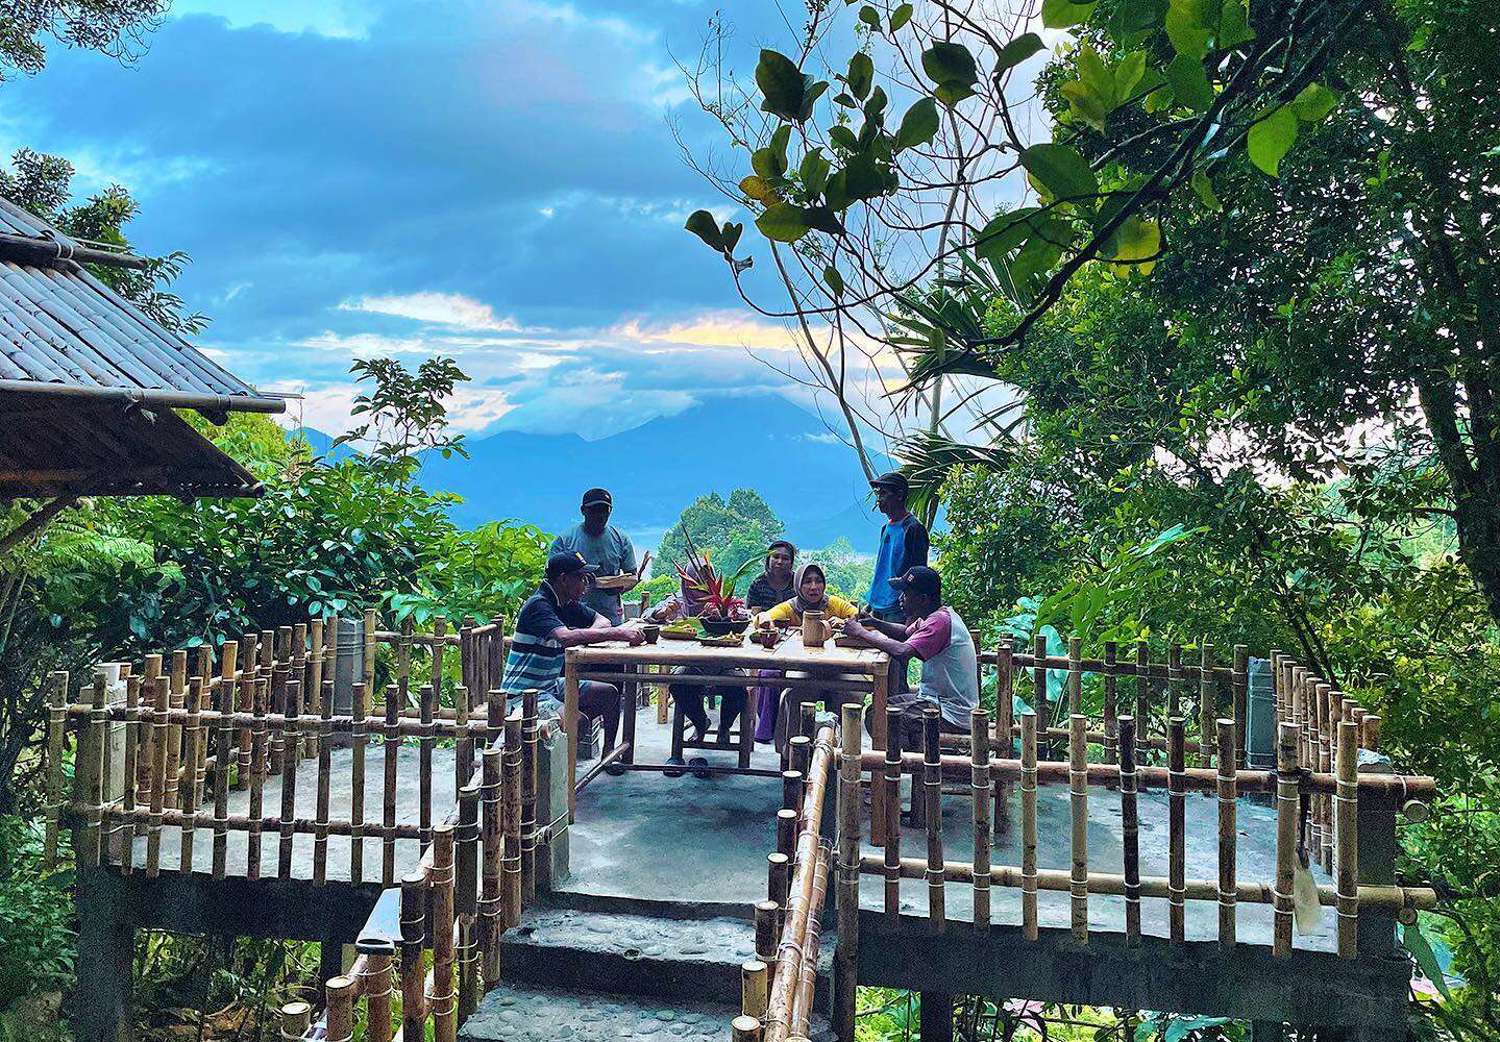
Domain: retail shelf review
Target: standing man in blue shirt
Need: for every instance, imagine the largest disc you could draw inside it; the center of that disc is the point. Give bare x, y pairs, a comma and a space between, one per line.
605, 547
903, 546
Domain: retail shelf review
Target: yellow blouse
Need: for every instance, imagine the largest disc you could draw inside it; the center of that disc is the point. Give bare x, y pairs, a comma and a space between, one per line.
786, 611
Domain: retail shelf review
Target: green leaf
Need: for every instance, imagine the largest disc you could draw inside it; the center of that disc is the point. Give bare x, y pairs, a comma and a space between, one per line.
702, 224
919, 125
823, 219
1064, 14
1205, 189
1314, 103
1413, 941
870, 17
1271, 138
809, 98
782, 222
756, 188
1189, 80
899, 17
1138, 241
1085, 104
863, 178
767, 166
1017, 51
814, 171
1188, 26
732, 234
876, 105
1061, 170
950, 94
950, 64
1003, 233
781, 83
861, 74
843, 137
834, 280
780, 138
1234, 24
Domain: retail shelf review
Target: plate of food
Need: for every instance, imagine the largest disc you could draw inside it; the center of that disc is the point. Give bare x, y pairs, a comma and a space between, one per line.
680, 630
727, 640
615, 582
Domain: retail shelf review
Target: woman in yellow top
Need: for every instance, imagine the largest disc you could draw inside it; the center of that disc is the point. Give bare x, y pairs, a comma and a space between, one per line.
812, 595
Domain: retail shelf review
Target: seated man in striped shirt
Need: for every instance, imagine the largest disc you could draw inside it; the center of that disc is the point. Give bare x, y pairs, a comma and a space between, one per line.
552, 620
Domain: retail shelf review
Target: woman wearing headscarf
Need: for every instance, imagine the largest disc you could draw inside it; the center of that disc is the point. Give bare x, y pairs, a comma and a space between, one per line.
812, 595
776, 582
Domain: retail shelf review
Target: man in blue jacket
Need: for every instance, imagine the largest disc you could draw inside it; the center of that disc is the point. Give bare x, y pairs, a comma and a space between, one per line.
903, 546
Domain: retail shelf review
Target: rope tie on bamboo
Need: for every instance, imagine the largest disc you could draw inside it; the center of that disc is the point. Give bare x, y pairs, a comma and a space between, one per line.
366, 974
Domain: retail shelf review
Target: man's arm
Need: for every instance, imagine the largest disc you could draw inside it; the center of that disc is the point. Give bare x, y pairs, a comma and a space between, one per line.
569, 637
875, 634
916, 547
895, 630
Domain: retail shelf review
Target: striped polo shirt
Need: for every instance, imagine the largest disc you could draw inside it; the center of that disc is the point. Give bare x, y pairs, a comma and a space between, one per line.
535, 659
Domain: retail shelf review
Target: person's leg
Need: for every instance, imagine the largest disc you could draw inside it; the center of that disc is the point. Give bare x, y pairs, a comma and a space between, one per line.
768, 698
690, 698
731, 705
601, 701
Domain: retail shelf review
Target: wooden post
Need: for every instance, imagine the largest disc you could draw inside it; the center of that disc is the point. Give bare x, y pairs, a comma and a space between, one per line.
754, 990
492, 852
530, 744
57, 731
1241, 685
260, 697
126, 833
1346, 839
190, 755
159, 730
880, 735
570, 725
744, 1029
1287, 799
390, 761
1028, 825
340, 995
178, 700
1176, 828
1327, 724
846, 953
510, 769
1208, 707
1130, 832
441, 999
324, 745
891, 806
980, 783
466, 891
1111, 710
1004, 723
932, 786
358, 732
767, 913
424, 763
290, 757
244, 740
1142, 697
1078, 791
778, 885
225, 753
367, 659
1228, 804
376, 988
413, 916
463, 745
296, 1018
315, 658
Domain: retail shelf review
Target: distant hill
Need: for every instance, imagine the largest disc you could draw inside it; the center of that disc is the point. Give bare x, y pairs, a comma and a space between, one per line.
762, 441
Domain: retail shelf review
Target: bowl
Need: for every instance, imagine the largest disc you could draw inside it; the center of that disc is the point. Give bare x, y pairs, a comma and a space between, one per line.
724, 627
652, 632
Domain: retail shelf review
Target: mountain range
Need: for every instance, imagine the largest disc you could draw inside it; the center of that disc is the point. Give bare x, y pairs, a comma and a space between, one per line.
761, 441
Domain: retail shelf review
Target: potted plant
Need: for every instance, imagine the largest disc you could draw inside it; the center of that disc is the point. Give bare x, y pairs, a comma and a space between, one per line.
719, 610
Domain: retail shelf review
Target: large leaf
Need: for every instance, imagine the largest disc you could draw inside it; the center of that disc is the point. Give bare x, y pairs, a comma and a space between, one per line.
1017, 51
861, 74
781, 83
1189, 24
899, 17
1189, 80
1413, 940
1064, 14
1314, 103
919, 125
783, 222
1061, 170
702, 224
756, 188
1004, 233
1271, 138
814, 171
1138, 241
952, 68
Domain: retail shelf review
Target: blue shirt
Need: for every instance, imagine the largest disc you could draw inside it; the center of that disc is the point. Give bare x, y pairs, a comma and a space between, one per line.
612, 551
903, 545
535, 659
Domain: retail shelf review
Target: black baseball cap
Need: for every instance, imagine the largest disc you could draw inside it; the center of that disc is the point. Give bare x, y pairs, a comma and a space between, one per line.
568, 564
920, 579
597, 497
892, 480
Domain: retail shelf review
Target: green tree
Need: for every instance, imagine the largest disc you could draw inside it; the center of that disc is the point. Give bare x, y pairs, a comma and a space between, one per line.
117, 28
732, 531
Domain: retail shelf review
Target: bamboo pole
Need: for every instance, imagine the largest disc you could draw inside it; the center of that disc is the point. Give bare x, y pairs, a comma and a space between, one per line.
1111, 710
225, 754
530, 744
466, 890
413, 916
879, 736
980, 785
390, 760
243, 739
190, 756
491, 920
767, 916
159, 731
424, 761
376, 986
743, 1028
1287, 799
357, 751
1319, 739
570, 726
510, 770
1346, 839
441, 999
367, 659
463, 748
778, 885
1175, 681
1240, 685
257, 776
1142, 695
786, 830
1028, 826
178, 696
340, 995
324, 743
932, 786
791, 790
892, 807
1208, 707
1004, 711
1078, 805
126, 831
802, 998
290, 758
296, 1018
57, 729
1176, 827
299, 666
1130, 830
1228, 837
315, 638
846, 952
755, 983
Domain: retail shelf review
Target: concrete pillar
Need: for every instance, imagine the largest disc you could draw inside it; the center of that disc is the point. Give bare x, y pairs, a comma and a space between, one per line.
106, 949
1376, 825
552, 809
937, 1016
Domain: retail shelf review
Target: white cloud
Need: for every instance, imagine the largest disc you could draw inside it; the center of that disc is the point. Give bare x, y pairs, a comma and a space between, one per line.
339, 19
470, 410
443, 309
708, 329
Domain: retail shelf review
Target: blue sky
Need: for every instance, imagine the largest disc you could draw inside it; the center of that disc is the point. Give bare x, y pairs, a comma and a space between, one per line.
495, 179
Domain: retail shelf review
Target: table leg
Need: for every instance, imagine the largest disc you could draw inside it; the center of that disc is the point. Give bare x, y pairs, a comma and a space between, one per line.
629, 695
747, 727
570, 725
880, 680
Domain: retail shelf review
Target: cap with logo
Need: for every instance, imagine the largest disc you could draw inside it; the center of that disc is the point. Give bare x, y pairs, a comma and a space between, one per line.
920, 579
569, 563
597, 497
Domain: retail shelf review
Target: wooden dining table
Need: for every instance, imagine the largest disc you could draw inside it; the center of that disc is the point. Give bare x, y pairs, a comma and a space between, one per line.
849, 671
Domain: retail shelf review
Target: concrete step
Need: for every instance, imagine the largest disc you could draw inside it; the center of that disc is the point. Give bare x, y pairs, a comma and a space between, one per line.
626, 953
516, 1012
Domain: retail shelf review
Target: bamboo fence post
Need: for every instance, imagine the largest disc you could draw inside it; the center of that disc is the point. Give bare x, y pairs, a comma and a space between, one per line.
358, 730
755, 990
390, 754
570, 726
325, 789
1078, 786
257, 777
1287, 799
367, 659
530, 742
495, 652
1111, 710
376, 988
1369, 737
467, 954
846, 953
463, 745
980, 782
413, 916
1276, 657
1028, 826
225, 753
296, 1018
1175, 680
1004, 723
1346, 839
340, 996
892, 807
778, 885
879, 718
490, 916
438, 646
1130, 832
290, 757
932, 785
88, 776
791, 789
57, 730
1176, 827
1039, 678
1240, 683
1228, 805
178, 700
190, 733
744, 1029
126, 830
786, 830
1142, 697
1208, 707
767, 913
466, 889
424, 761
315, 681
1326, 726
510, 803
800, 752
441, 999
243, 737
281, 673
467, 657
1075, 675
1316, 739
299, 673
159, 728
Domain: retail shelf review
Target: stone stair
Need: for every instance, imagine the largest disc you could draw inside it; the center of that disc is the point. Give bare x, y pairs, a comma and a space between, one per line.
621, 971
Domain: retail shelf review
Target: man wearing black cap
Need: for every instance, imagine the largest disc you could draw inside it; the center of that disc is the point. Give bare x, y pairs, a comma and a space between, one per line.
605, 547
903, 545
552, 620
936, 635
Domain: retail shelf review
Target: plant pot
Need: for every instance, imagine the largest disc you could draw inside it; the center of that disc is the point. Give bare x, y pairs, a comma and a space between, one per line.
724, 627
